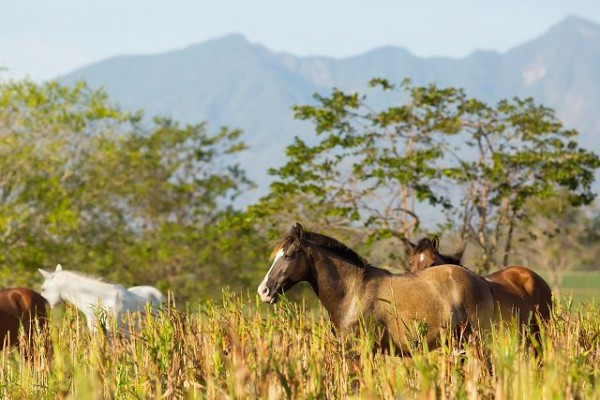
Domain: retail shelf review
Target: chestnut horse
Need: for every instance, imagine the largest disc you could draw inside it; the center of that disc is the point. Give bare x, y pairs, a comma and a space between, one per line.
350, 289
20, 307
517, 291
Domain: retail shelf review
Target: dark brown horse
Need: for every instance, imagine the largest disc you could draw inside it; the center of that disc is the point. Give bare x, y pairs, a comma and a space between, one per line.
350, 288
425, 254
20, 307
517, 291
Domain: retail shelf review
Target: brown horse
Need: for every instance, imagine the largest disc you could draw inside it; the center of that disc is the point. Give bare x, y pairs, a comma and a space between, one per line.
350, 288
20, 307
425, 254
517, 291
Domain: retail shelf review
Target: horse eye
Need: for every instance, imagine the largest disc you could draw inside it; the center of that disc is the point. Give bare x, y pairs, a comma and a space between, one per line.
289, 256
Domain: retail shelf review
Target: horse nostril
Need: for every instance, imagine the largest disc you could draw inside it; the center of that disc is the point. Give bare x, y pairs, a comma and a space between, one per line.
264, 291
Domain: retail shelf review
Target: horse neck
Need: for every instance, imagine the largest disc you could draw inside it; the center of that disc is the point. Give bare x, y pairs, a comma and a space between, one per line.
82, 291
336, 282
444, 259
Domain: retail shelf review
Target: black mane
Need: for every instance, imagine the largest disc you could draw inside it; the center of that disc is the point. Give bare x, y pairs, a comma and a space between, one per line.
331, 244
449, 259
336, 247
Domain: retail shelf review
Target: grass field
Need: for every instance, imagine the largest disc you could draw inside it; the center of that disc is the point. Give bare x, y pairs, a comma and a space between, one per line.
242, 349
582, 285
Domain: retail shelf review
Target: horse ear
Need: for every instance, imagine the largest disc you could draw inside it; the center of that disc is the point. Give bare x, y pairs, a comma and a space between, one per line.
58, 268
409, 247
299, 230
44, 273
435, 242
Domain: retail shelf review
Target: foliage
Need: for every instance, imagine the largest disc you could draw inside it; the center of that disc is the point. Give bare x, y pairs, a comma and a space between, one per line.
239, 349
554, 236
478, 164
142, 201
101, 190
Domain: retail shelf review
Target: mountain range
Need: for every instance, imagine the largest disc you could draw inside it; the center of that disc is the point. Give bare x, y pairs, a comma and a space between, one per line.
230, 81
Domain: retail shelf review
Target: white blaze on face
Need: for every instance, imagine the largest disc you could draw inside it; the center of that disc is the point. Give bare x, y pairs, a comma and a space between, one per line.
422, 257
263, 290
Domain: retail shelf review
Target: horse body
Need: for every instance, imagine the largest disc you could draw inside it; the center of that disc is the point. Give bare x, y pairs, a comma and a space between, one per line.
518, 291
91, 295
20, 307
445, 297
349, 288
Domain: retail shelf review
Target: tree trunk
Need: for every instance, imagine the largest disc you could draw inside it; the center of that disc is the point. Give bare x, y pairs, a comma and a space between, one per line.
406, 194
484, 242
509, 238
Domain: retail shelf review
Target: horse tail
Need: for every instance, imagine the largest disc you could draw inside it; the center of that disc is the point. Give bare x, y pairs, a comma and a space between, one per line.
543, 297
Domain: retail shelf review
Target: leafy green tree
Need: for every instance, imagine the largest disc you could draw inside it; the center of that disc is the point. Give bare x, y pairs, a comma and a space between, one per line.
554, 237
370, 166
101, 190
522, 152
45, 134
476, 163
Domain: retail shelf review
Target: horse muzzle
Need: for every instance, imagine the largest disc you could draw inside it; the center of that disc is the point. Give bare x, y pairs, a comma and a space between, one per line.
267, 295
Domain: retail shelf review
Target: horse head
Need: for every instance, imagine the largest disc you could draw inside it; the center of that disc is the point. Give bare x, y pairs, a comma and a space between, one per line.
51, 285
426, 254
290, 266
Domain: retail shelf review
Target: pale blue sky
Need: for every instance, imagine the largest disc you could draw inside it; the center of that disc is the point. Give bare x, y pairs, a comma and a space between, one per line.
42, 38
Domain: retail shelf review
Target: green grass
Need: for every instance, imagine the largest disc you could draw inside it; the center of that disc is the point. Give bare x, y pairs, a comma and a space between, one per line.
580, 285
240, 348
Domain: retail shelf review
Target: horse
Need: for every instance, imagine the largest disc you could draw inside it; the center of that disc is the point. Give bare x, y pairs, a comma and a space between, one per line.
517, 290
350, 289
424, 254
21, 307
90, 295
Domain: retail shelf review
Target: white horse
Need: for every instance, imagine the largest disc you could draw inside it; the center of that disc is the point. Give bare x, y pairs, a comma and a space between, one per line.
91, 295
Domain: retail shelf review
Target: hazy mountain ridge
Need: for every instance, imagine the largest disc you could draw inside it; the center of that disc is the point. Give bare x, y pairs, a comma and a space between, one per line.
231, 81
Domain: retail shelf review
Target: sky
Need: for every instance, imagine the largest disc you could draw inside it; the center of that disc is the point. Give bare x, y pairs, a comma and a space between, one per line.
43, 39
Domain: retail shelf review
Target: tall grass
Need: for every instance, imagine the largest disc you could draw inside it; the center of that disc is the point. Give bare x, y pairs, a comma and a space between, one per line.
239, 348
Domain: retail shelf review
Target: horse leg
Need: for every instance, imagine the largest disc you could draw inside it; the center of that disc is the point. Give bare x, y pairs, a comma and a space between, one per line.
91, 323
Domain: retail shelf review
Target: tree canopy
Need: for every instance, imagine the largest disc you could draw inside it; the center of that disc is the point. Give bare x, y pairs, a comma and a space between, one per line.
387, 170
97, 189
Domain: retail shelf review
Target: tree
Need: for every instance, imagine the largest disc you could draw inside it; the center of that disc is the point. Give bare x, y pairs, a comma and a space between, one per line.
478, 164
370, 165
101, 190
554, 237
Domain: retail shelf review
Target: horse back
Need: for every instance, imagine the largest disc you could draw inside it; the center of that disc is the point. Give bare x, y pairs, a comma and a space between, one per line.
464, 288
520, 287
17, 301
442, 294
20, 306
